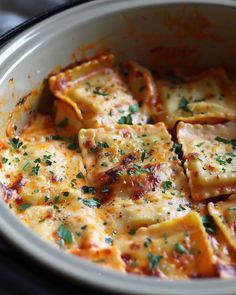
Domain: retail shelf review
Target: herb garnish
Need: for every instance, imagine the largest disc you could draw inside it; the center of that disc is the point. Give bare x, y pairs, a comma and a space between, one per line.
153, 261
88, 189
166, 185
126, 120
92, 203
134, 108
24, 206
183, 105
35, 169
15, 143
209, 224
132, 232
99, 146
180, 248
226, 141
64, 234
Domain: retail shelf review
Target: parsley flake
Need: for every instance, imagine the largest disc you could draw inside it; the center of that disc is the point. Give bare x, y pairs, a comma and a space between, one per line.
166, 185
134, 108
209, 224
183, 105
15, 143
126, 120
89, 190
64, 234
180, 248
153, 261
24, 206
92, 203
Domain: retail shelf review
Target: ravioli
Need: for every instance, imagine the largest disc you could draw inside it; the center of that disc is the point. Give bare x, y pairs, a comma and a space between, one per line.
224, 214
205, 98
103, 179
40, 169
132, 168
170, 250
97, 94
210, 158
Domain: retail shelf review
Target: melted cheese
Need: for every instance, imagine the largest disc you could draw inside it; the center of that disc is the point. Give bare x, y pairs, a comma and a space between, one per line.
96, 92
109, 257
210, 158
115, 192
170, 249
224, 214
206, 98
132, 168
41, 170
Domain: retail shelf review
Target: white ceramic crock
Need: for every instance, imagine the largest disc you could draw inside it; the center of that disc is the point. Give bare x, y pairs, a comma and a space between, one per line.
204, 34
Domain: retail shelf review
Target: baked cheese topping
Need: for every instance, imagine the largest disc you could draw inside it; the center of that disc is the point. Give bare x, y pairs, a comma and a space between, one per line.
224, 214
108, 178
97, 93
206, 98
210, 158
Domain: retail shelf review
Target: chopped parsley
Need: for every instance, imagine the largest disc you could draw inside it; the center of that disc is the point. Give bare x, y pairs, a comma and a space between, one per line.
231, 209
80, 175
57, 199
4, 160
200, 144
99, 91
132, 232
209, 224
180, 248
134, 108
72, 146
24, 206
121, 152
65, 194
89, 190
109, 241
166, 185
15, 143
126, 120
64, 234
38, 160
92, 203
153, 261
139, 169
35, 169
183, 105
177, 147
226, 141
143, 156
99, 146
63, 123
46, 198
223, 162
147, 242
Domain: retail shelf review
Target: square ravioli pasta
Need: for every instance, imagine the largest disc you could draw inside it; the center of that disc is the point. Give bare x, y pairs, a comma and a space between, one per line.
208, 97
135, 167
96, 94
37, 169
210, 158
174, 249
224, 214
